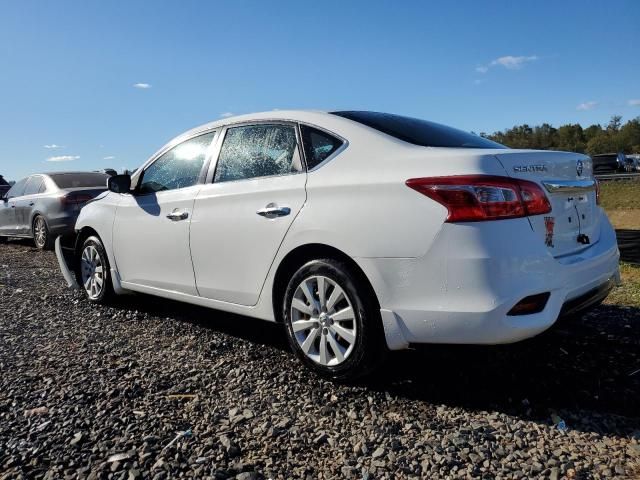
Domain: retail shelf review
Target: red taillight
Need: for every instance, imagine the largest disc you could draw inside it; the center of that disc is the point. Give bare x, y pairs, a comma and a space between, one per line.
474, 198
597, 192
75, 198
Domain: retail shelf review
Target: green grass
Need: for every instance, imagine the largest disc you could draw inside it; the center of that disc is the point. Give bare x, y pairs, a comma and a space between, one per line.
620, 195
621, 200
629, 293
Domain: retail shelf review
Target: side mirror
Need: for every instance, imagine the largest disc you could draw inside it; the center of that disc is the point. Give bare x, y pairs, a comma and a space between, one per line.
119, 183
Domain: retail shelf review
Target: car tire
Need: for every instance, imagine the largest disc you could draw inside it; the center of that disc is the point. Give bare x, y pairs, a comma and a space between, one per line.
339, 334
93, 272
41, 235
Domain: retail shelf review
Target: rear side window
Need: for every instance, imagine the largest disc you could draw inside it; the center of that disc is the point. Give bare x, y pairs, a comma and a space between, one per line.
80, 180
17, 189
318, 145
258, 151
419, 132
33, 185
180, 167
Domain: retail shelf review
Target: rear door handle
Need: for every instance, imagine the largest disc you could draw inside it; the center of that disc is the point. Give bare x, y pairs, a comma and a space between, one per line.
273, 211
178, 215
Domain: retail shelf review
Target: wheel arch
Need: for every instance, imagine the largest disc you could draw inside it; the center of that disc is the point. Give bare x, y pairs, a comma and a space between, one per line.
83, 234
300, 255
34, 214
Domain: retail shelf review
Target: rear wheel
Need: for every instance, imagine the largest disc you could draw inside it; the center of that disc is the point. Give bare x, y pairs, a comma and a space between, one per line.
41, 236
93, 271
332, 321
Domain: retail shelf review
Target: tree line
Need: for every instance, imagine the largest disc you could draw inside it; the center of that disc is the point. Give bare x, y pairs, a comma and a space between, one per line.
612, 138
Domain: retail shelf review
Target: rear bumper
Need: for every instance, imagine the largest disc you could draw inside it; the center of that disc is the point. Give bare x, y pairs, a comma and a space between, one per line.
62, 224
462, 289
589, 299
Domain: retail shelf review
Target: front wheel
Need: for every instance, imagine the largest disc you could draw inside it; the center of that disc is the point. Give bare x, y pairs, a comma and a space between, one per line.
93, 271
333, 322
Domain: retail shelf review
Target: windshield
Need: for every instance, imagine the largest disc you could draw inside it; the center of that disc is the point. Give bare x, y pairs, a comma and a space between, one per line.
77, 180
419, 132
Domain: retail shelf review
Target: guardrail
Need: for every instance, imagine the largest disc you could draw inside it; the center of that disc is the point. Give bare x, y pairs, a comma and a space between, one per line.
618, 176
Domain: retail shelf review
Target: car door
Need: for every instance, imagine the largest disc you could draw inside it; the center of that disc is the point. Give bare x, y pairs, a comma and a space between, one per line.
25, 203
151, 227
242, 214
8, 225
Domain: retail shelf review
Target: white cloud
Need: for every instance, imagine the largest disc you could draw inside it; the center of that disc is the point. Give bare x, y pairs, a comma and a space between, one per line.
108, 157
509, 62
513, 63
587, 106
227, 114
63, 158
53, 146
142, 86
634, 102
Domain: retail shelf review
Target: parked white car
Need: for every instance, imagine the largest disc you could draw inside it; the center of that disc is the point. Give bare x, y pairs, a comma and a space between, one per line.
362, 232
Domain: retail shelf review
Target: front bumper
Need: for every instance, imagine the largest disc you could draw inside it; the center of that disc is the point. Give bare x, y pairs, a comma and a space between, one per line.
462, 289
65, 253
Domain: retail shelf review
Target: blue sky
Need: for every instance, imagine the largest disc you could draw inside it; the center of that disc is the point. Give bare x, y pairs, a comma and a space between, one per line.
68, 69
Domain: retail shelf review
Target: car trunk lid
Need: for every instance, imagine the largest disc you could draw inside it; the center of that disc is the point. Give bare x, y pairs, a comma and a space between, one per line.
573, 223
78, 197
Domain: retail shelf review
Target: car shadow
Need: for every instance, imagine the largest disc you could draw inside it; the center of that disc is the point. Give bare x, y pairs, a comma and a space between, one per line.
629, 245
251, 329
587, 370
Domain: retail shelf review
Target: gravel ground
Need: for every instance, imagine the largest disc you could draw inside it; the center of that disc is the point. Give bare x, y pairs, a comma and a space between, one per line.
97, 392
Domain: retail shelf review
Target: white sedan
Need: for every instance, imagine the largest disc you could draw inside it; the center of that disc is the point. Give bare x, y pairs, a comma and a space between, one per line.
362, 232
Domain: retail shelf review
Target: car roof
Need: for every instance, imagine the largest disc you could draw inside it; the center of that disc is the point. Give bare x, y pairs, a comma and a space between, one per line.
79, 172
309, 116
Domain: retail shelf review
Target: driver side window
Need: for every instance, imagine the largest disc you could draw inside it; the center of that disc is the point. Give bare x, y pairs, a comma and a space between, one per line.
180, 167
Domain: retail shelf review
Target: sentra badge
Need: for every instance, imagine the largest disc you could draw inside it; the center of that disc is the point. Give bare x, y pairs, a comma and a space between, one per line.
529, 168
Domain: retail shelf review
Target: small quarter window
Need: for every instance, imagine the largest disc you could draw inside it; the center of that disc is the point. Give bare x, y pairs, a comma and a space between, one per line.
257, 151
318, 145
180, 167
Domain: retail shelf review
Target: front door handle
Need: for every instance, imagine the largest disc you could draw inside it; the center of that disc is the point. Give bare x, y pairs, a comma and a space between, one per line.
178, 215
273, 211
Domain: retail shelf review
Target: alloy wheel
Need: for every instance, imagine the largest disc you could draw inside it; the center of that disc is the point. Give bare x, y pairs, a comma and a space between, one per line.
323, 320
92, 271
40, 232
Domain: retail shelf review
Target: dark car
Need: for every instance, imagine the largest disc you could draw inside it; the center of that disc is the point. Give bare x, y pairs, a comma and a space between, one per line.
4, 186
608, 163
46, 205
